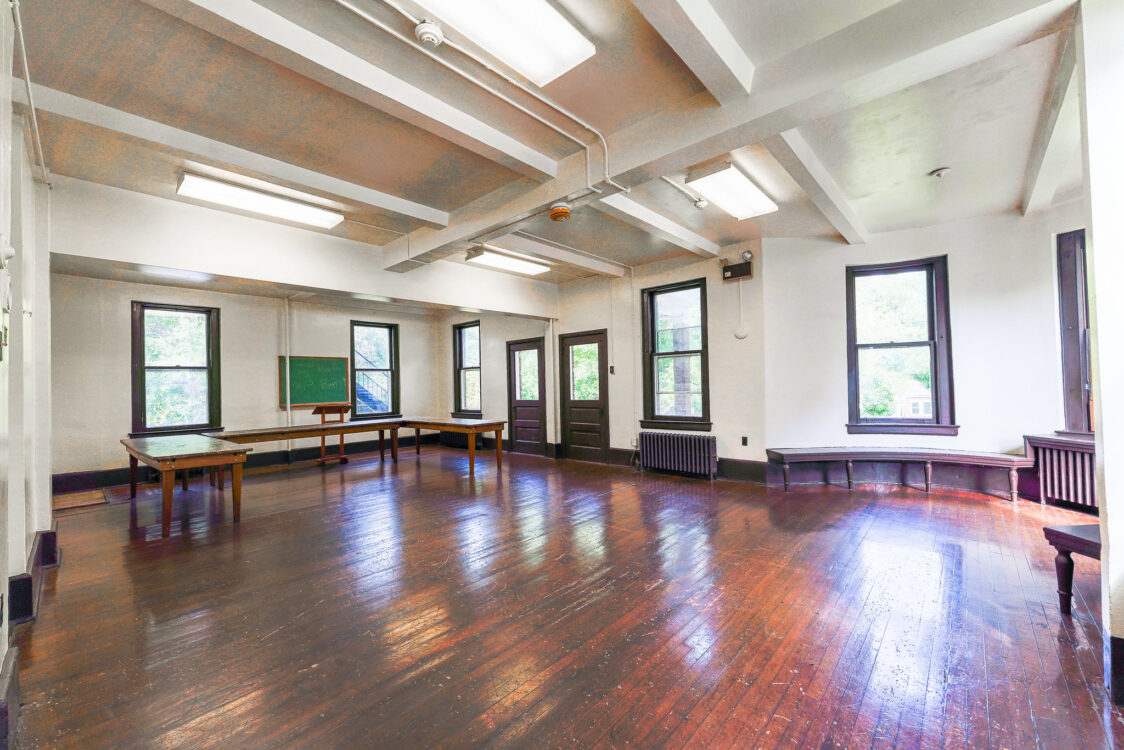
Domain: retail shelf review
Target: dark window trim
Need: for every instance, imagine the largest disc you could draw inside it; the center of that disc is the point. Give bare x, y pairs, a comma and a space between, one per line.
457, 358
651, 419
943, 421
214, 379
1073, 323
395, 396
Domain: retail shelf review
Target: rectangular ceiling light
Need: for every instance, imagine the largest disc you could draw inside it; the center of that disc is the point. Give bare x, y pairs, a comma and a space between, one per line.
255, 201
728, 188
530, 36
505, 262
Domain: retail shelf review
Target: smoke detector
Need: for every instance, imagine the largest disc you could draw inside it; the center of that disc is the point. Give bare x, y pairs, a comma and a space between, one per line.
560, 211
701, 203
429, 34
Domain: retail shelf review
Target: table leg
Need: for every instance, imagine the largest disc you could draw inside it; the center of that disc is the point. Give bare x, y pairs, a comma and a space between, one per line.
132, 476
185, 480
236, 490
850, 475
499, 448
211, 475
1063, 563
382, 446
343, 456
785, 470
323, 446
167, 486
417, 440
471, 454
394, 444
222, 477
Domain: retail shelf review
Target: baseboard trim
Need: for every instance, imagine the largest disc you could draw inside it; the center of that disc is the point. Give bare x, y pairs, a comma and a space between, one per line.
94, 480
9, 699
25, 589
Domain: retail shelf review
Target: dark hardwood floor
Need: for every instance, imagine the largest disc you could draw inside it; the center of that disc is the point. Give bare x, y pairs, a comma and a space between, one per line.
561, 604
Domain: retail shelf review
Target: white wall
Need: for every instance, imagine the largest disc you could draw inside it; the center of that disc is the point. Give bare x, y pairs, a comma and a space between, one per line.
96, 221
92, 361
1004, 330
736, 369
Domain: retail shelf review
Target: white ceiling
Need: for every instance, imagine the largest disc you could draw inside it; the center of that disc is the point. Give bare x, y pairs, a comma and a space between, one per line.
879, 92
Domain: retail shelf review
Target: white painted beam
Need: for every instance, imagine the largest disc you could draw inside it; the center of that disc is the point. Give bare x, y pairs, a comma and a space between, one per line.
622, 207
699, 36
522, 243
395, 95
796, 155
75, 108
1059, 134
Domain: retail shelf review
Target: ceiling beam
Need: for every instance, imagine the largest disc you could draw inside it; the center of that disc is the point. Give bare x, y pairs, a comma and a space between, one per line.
75, 108
621, 207
699, 36
801, 87
1059, 131
531, 245
796, 155
377, 87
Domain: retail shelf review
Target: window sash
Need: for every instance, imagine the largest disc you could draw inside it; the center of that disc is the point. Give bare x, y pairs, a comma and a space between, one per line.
391, 371
459, 368
653, 352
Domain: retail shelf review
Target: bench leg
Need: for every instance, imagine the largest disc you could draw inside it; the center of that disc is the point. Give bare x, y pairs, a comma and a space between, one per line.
928, 476
1014, 485
132, 476
167, 486
1063, 563
850, 475
785, 469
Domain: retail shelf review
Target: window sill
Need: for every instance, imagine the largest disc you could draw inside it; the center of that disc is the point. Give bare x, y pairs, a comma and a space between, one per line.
365, 417
675, 424
466, 414
900, 428
164, 431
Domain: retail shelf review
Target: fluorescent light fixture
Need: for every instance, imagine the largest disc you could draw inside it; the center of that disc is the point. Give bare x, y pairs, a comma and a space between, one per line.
727, 187
505, 262
528, 35
175, 273
255, 201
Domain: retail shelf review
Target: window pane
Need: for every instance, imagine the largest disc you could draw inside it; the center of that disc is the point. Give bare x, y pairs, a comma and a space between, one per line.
372, 391
679, 386
892, 307
893, 382
527, 374
470, 346
585, 375
678, 317
175, 339
470, 390
176, 397
372, 347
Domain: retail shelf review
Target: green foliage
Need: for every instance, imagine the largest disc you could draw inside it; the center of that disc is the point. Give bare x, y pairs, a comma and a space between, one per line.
585, 376
527, 372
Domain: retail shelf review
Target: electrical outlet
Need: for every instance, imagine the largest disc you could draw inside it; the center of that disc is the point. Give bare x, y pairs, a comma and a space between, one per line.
634, 442
745, 440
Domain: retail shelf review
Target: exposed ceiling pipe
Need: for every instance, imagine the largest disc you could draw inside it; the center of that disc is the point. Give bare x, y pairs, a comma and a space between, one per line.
465, 75
520, 85
699, 202
27, 82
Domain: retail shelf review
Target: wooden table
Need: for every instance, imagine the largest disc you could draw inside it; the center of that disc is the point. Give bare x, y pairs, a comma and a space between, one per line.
1084, 539
182, 452
470, 427
296, 432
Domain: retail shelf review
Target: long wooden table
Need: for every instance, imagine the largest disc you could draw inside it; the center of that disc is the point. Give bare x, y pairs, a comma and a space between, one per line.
173, 453
470, 427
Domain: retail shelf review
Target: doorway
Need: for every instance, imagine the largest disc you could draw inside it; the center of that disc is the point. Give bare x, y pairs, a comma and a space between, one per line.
584, 384
526, 396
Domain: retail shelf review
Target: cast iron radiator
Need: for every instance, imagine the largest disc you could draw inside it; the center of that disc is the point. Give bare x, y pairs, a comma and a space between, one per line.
1067, 474
674, 451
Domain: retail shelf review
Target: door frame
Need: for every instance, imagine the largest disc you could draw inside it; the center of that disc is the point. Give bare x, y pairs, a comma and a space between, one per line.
541, 341
564, 386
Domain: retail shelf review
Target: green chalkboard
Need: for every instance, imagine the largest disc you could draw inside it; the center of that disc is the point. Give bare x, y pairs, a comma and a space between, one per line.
316, 381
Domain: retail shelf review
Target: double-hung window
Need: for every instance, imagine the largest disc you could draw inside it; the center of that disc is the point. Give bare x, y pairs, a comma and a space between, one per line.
899, 359
374, 370
675, 356
466, 368
175, 364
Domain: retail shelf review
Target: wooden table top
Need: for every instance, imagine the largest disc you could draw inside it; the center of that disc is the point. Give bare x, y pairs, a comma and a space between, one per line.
437, 422
182, 446
1084, 539
328, 428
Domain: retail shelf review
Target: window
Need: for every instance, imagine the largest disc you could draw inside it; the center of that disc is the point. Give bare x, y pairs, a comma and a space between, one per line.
374, 369
899, 361
466, 368
175, 368
675, 357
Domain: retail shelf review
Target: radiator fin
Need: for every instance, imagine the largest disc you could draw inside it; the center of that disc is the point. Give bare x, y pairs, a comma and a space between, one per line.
684, 453
1067, 476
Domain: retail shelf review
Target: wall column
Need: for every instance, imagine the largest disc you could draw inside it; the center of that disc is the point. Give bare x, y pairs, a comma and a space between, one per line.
1101, 66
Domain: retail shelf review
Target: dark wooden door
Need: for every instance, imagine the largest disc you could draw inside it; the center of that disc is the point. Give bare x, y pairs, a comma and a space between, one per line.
584, 399
526, 396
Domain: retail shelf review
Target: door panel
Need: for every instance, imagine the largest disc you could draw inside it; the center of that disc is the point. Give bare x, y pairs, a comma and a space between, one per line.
584, 401
526, 396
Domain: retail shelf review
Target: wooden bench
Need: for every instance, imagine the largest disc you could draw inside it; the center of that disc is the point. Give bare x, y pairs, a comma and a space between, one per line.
1084, 539
927, 456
